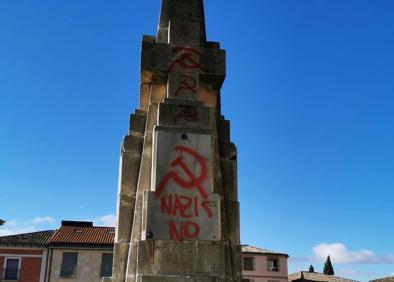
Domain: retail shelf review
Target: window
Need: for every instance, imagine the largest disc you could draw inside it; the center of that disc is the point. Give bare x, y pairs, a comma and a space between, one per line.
11, 268
106, 265
248, 263
69, 265
273, 264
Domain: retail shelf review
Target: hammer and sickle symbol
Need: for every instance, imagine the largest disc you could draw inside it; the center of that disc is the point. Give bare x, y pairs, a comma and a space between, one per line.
187, 83
185, 58
193, 181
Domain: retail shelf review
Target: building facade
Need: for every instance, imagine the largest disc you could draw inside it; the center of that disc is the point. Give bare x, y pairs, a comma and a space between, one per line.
307, 276
80, 252
260, 265
23, 257
384, 279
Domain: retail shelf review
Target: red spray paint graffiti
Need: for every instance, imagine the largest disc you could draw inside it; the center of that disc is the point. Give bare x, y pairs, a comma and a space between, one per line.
186, 58
193, 181
183, 206
186, 113
188, 83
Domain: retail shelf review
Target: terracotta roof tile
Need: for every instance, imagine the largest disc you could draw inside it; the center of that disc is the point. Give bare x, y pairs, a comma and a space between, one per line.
255, 250
83, 236
35, 239
384, 279
316, 276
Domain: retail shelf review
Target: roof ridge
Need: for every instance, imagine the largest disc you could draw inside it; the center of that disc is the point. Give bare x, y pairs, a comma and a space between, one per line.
28, 233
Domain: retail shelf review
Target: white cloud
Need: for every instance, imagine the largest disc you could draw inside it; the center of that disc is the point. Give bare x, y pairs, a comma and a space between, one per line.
45, 219
11, 231
12, 227
106, 220
340, 254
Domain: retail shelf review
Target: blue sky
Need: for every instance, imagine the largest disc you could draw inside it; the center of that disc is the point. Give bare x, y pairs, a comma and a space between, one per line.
309, 93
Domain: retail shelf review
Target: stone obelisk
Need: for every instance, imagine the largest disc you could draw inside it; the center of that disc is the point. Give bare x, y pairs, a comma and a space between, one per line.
178, 212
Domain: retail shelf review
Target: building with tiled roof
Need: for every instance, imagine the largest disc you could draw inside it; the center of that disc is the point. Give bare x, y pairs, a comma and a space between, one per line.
80, 252
384, 279
262, 265
23, 256
34, 239
246, 249
83, 234
306, 276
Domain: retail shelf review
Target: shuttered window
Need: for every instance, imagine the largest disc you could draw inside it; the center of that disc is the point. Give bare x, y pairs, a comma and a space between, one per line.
106, 265
248, 263
69, 265
11, 269
273, 264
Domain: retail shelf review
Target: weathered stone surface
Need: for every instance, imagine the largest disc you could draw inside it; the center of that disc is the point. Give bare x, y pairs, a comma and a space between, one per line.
180, 15
132, 145
178, 278
178, 214
184, 32
166, 258
183, 85
125, 215
120, 261
229, 178
210, 258
184, 115
157, 59
137, 124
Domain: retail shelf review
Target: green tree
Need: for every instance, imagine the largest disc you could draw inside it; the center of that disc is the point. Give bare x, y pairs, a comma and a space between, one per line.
311, 268
328, 269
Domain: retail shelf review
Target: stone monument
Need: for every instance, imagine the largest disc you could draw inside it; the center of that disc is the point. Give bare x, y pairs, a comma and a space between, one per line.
177, 211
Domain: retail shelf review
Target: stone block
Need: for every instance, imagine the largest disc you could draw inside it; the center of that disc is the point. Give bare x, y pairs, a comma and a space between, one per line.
129, 173
132, 145
120, 260
233, 222
132, 258
236, 261
163, 278
218, 184
177, 278
125, 214
229, 179
165, 258
157, 59
183, 115
145, 89
184, 32
137, 125
183, 85
213, 45
228, 151
210, 258
158, 92
224, 131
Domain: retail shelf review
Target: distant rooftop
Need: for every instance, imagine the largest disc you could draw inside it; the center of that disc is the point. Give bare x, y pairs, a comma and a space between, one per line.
35, 239
316, 276
83, 234
255, 250
384, 279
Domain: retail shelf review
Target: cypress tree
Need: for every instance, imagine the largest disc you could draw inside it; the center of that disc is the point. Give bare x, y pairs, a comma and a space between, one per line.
311, 268
328, 269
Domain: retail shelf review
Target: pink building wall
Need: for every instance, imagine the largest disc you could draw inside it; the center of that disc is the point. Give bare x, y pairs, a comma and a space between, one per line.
261, 272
